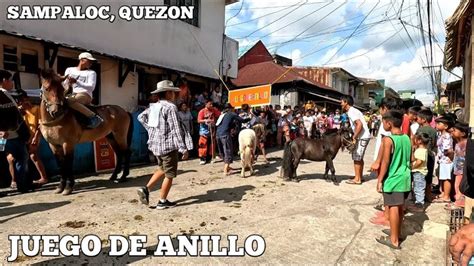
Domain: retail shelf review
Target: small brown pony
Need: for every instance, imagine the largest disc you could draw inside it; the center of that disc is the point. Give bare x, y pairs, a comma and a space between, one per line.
62, 130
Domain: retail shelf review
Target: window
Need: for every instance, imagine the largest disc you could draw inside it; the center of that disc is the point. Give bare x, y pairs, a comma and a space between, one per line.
29, 61
10, 59
196, 3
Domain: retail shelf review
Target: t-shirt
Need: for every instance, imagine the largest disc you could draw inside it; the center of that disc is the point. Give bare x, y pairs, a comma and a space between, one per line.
406, 124
225, 125
353, 114
207, 114
378, 142
31, 118
337, 119
422, 155
414, 128
398, 178
308, 121
459, 157
85, 80
433, 136
445, 142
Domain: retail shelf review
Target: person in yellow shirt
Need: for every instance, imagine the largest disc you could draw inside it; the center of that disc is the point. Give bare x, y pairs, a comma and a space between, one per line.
31, 115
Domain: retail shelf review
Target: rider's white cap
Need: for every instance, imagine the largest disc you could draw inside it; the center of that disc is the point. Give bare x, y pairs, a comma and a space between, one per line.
87, 56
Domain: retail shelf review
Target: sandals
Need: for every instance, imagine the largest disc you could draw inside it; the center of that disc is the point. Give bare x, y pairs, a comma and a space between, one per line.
352, 182
387, 232
441, 200
385, 240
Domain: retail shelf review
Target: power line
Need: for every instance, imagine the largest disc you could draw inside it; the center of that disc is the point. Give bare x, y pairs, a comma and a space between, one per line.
286, 14
340, 48
272, 7
257, 18
235, 14
312, 25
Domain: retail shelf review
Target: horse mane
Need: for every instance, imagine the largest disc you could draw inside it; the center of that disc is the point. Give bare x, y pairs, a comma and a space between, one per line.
331, 132
51, 76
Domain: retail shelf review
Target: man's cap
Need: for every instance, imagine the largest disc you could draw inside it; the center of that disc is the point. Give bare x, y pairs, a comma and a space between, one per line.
87, 56
165, 85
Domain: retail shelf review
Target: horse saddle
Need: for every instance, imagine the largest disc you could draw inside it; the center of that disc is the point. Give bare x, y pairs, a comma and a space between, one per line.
82, 119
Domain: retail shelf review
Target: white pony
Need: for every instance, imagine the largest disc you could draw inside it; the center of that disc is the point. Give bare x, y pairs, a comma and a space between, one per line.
247, 145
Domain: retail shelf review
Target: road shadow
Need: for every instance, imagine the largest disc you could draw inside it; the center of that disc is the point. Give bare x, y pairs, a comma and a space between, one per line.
103, 258
413, 223
306, 176
22, 210
225, 195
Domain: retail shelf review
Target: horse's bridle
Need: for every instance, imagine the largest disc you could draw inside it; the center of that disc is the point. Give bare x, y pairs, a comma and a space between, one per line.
48, 104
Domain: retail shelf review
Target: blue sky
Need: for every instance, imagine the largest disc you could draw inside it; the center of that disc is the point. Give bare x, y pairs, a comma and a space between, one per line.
367, 38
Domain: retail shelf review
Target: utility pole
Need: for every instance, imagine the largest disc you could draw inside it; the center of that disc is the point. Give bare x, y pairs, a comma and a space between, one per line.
436, 82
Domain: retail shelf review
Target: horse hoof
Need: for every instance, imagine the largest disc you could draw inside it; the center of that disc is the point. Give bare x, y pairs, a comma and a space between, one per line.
113, 178
67, 191
59, 190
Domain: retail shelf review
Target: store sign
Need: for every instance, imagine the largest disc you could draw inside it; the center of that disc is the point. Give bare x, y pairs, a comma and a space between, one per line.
253, 96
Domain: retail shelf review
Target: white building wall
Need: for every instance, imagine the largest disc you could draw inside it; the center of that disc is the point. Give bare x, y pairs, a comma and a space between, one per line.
165, 43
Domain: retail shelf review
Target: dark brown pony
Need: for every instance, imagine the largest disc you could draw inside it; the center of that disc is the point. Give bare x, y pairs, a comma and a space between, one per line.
10, 116
322, 149
62, 131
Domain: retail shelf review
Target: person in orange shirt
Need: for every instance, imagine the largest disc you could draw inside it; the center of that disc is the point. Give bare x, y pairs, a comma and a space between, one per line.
31, 115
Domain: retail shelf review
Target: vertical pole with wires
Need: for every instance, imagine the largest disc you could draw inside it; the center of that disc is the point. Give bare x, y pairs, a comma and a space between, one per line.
436, 82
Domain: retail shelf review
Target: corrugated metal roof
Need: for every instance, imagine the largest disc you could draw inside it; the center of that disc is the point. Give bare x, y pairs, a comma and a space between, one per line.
267, 73
455, 37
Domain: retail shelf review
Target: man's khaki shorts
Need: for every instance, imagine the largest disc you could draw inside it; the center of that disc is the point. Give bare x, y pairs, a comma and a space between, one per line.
169, 164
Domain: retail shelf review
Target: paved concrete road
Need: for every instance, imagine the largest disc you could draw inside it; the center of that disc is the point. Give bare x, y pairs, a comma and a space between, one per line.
307, 222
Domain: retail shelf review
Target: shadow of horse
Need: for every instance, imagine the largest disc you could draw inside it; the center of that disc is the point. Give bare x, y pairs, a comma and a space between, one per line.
226, 195
22, 210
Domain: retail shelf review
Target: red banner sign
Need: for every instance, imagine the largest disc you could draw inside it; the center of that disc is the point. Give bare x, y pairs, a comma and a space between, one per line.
104, 156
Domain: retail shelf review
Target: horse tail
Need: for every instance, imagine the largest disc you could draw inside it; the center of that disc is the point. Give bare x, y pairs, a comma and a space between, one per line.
130, 131
287, 164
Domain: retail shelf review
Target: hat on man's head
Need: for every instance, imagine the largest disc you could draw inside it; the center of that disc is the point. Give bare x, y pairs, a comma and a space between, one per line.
87, 56
165, 85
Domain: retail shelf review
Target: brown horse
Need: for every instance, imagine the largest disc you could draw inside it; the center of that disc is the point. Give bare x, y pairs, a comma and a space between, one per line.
323, 149
63, 131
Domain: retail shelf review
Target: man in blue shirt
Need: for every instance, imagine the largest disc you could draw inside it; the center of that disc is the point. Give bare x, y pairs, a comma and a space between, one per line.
225, 123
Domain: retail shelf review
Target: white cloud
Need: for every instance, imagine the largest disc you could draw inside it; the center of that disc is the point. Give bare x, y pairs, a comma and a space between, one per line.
397, 60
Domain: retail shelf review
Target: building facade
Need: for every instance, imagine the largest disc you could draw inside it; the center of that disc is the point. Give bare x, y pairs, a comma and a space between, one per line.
132, 57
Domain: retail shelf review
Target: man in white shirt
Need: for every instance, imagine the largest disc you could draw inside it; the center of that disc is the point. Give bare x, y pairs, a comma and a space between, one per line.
360, 138
83, 81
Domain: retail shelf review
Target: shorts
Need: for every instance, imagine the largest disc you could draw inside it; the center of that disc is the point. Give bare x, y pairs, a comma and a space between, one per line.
359, 151
169, 164
394, 198
445, 170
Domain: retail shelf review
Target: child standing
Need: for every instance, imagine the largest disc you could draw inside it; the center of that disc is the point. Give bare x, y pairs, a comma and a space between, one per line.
394, 175
445, 150
420, 170
459, 133
424, 118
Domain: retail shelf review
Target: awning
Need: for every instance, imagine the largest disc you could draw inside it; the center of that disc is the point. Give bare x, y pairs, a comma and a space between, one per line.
455, 27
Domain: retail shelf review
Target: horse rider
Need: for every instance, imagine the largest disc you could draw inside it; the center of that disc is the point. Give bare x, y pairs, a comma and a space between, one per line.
82, 79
